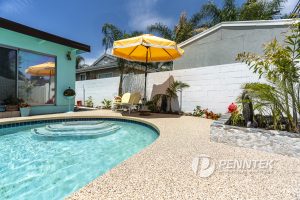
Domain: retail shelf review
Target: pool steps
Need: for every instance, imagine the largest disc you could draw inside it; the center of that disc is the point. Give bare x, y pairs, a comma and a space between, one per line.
71, 129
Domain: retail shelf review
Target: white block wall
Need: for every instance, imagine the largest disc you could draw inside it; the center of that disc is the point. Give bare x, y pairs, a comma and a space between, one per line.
213, 87
98, 89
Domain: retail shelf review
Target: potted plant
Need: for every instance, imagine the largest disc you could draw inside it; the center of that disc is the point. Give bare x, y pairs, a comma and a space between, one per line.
89, 102
69, 93
11, 103
24, 109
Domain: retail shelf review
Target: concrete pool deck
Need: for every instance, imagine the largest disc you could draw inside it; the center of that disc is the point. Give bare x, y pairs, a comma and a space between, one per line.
163, 170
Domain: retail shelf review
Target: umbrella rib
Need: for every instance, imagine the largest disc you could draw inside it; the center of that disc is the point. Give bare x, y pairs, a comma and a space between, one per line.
133, 50
150, 53
168, 53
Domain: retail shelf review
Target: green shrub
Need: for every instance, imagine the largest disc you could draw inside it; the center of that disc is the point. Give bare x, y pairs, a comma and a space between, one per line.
198, 112
278, 65
106, 104
236, 119
89, 102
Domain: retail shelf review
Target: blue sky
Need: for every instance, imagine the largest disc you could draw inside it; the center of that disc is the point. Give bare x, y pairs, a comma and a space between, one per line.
81, 20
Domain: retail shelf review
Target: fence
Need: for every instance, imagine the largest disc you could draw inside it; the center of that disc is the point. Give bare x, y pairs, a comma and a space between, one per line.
213, 87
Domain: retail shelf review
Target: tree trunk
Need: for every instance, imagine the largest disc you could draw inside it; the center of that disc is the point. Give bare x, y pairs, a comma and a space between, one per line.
290, 125
121, 64
120, 93
294, 99
170, 105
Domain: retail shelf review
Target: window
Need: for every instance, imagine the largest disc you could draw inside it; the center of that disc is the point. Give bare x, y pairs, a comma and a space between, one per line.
36, 78
105, 75
82, 77
8, 66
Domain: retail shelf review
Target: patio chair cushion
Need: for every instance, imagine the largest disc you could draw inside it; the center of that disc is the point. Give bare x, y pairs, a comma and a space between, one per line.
136, 97
126, 98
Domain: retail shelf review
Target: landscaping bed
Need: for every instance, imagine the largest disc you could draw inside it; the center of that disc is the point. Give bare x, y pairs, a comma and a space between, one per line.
273, 141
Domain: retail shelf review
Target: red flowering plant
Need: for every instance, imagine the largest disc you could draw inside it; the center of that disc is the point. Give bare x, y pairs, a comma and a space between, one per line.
211, 115
236, 119
23, 104
232, 108
199, 112
117, 98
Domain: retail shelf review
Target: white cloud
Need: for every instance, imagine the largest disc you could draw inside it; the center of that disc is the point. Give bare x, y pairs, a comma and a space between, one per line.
289, 6
89, 59
14, 6
142, 14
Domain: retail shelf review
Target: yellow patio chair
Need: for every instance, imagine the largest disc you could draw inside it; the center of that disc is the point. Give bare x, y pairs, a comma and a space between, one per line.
124, 100
133, 101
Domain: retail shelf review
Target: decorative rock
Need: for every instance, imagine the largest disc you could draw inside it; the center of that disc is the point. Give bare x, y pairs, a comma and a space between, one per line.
280, 142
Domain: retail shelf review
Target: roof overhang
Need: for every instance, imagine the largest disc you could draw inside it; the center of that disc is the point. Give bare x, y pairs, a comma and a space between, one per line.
255, 23
20, 28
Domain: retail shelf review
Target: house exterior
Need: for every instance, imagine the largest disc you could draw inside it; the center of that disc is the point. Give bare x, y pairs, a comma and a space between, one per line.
220, 44
23, 50
106, 67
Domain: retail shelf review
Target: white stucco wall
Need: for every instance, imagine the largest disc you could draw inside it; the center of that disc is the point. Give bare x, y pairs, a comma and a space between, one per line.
213, 87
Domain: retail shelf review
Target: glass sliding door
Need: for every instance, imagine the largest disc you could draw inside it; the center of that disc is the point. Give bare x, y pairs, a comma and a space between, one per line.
8, 74
36, 78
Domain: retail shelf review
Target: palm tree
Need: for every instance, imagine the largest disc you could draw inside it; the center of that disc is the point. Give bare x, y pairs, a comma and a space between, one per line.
260, 10
210, 14
172, 91
163, 30
112, 33
184, 29
79, 60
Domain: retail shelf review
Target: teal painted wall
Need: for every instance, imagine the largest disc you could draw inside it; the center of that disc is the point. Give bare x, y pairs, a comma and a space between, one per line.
65, 68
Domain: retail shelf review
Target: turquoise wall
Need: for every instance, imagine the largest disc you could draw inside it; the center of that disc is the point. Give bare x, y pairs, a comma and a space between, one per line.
65, 68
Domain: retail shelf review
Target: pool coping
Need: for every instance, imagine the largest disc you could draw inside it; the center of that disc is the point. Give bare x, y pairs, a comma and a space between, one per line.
51, 119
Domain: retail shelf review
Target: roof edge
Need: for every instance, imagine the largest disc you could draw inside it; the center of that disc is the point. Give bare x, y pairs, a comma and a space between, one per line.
239, 24
88, 69
101, 57
23, 29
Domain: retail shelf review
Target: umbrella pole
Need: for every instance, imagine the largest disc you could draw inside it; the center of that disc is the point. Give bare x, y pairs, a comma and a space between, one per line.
145, 89
49, 87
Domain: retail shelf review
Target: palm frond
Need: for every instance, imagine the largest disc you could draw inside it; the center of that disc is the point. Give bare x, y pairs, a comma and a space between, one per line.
212, 13
230, 11
162, 30
111, 33
184, 29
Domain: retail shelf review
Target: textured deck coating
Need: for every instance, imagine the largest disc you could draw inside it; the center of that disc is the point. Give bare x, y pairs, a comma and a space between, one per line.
163, 169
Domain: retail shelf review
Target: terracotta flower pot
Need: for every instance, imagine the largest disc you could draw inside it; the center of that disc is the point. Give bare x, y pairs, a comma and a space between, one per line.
12, 107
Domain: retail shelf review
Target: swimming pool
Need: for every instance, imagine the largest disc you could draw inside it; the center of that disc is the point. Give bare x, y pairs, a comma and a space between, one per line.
34, 167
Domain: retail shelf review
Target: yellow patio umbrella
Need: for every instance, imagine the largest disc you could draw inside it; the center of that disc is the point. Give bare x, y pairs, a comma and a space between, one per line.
44, 69
147, 48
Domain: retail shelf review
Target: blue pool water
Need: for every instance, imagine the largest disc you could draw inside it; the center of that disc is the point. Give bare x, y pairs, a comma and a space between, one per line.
34, 167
